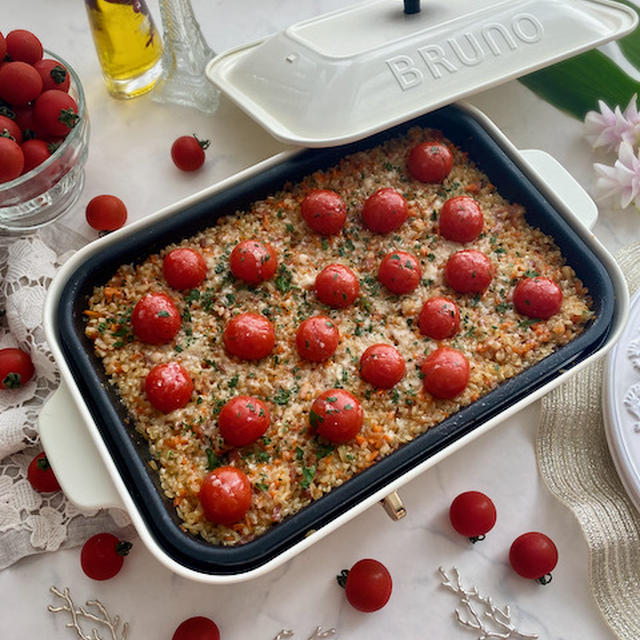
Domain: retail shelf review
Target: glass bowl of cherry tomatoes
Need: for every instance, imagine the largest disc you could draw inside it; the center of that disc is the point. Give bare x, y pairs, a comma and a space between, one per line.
44, 136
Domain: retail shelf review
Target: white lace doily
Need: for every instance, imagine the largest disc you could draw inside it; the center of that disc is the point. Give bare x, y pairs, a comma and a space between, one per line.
31, 522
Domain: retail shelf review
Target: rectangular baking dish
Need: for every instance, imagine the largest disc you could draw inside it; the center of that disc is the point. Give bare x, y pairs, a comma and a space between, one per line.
123, 450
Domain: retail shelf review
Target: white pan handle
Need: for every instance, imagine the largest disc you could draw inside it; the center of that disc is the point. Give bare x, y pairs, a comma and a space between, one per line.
563, 184
73, 455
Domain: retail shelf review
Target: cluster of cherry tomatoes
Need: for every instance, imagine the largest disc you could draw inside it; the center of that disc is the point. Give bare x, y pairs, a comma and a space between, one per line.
36, 111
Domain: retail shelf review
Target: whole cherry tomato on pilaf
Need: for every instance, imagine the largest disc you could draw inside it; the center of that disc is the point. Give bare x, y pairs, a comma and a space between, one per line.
155, 319
446, 373
537, 298
430, 162
337, 286
243, 420
184, 268
382, 366
225, 495
461, 219
439, 318
324, 211
336, 415
317, 339
384, 211
168, 386
253, 261
249, 336
400, 272
468, 271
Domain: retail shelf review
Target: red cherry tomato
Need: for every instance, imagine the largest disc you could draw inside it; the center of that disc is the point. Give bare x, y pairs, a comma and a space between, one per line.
155, 319
533, 555
253, 261
367, 585
3, 47
430, 162
324, 211
382, 366
317, 339
242, 420
537, 298
41, 476
9, 127
106, 213
249, 336
336, 415
472, 515
56, 112
461, 219
168, 387
16, 368
225, 495
54, 74
337, 286
102, 556
196, 628
11, 159
384, 211
184, 268
400, 272
24, 46
35, 153
187, 152
25, 120
20, 83
439, 318
446, 373
468, 271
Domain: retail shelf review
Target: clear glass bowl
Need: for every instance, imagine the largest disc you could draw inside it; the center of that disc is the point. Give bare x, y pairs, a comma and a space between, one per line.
49, 190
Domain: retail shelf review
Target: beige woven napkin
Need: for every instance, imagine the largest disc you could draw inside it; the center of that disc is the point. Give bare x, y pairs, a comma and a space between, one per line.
575, 463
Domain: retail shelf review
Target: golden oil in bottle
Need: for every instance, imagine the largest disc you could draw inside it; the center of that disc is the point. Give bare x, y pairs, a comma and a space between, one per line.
128, 45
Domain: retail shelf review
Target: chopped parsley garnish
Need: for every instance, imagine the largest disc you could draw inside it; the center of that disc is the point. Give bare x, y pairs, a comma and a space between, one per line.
308, 474
530, 273
299, 453
213, 461
315, 419
233, 383
284, 278
282, 396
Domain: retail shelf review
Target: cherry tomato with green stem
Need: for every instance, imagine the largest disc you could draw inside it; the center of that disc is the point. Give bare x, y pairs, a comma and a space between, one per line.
187, 152
16, 368
102, 556
54, 74
367, 585
41, 476
534, 555
56, 112
9, 127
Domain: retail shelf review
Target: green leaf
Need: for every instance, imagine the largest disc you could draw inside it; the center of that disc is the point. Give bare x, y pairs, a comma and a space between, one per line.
630, 45
576, 85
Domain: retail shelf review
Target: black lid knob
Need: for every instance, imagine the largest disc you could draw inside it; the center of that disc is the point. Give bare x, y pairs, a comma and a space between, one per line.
412, 6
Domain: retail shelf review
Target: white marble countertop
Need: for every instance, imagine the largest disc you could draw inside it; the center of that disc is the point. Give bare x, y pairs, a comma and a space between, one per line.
129, 156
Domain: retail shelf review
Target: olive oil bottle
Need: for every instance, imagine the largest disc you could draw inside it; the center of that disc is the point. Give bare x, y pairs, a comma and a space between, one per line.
128, 45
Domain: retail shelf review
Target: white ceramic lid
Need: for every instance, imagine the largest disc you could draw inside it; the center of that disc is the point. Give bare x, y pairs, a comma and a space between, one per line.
347, 74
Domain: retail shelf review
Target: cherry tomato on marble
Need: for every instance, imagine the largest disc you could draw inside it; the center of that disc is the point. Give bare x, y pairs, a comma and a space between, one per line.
106, 213
225, 495
461, 219
249, 336
336, 415
16, 368
537, 298
446, 373
468, 271
9, 127
11, 159
168, 386
35, 153
187, 152
367, 585
324, 211
534, 555
382, 365
317, 339
56, 112
53, 73
102, 556
155, 318
439, 318
184, 268
400, 272
41, 476
430, 162
24, 46
196, 628
3, 47
243, 420
472, 514
20, 83
337, 286
384, 211
253, 261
